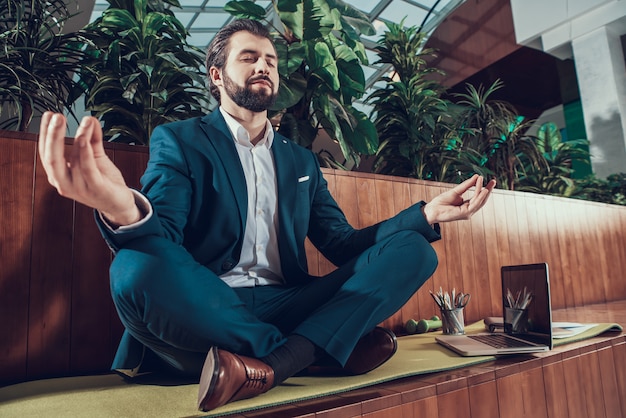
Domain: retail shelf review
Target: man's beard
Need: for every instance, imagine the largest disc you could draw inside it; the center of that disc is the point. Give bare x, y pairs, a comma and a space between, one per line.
245, 97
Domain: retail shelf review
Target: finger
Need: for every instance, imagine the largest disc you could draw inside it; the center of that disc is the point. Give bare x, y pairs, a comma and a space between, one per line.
78, 142
83, 135
479, 185
43, 128
97, 144
480, 199
54, 151
84, 140
466, 185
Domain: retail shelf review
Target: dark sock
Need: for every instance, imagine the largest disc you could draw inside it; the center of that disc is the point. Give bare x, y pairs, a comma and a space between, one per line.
288, 359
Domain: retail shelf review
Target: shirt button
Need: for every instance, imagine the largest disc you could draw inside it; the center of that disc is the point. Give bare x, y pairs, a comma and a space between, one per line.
227, 265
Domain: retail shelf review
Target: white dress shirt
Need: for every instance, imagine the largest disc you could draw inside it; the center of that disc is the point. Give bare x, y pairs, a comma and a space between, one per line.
259, 263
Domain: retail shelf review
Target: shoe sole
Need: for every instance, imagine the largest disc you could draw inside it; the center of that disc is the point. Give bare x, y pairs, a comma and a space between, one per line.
208, 378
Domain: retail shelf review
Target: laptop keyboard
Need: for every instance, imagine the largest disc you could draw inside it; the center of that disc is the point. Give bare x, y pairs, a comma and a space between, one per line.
500, 341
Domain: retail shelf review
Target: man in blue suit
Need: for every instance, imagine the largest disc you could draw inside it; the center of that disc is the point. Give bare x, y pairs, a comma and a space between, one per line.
210, 272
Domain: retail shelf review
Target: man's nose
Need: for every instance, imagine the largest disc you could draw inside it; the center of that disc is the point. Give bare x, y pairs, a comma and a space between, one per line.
262, 67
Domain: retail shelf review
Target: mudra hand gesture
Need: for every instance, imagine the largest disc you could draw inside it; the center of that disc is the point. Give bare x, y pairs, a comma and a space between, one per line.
451, 206
85, 174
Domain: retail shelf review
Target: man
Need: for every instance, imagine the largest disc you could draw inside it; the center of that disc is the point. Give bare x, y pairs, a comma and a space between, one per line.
210, 271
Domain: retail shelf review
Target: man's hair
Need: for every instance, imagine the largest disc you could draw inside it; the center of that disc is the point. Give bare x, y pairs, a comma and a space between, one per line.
217, 52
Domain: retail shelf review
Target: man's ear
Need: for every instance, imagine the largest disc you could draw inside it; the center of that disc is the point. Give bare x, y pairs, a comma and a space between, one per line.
216, 76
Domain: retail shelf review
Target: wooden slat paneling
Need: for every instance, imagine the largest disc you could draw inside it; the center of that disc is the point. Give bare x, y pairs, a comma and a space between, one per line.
16, 214
619, 356
90, 302
51, 281
401, 197
550, 246
482, 400
493, 258
575, 388
554, 386
454, 404
609, 388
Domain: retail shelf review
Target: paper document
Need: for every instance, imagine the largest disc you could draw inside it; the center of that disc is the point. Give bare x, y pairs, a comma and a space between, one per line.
569, 329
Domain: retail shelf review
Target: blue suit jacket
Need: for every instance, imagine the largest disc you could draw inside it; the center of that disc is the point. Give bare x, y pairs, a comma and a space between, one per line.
197, 189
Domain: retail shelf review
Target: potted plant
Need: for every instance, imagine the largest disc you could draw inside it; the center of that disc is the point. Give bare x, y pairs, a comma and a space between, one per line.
413, 121
141, 72
38, 60
320, 56
495, 130
557, 177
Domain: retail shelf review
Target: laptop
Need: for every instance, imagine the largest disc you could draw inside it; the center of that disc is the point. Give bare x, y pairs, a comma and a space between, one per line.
527, 314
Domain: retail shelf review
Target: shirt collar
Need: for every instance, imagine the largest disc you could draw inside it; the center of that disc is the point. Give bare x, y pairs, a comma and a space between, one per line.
241, 136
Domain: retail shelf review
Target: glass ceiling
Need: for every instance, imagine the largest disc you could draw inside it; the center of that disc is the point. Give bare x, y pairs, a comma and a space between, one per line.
203, 18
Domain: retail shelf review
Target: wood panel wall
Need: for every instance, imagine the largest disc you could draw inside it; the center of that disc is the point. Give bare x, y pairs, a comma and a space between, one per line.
56, 313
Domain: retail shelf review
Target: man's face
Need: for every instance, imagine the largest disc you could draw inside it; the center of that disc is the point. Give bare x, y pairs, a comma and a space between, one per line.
250, 76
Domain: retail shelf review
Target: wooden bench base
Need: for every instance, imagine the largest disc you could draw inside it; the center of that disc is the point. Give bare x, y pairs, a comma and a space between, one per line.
583, 379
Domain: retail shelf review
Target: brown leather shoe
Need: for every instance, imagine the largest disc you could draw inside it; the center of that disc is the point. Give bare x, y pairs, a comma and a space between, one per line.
370, 352
227, 377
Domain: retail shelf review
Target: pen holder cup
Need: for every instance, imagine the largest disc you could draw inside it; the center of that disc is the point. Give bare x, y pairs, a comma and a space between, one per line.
515, 320
452, 322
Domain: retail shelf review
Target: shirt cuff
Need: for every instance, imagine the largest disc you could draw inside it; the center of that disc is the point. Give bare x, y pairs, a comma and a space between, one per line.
145, 208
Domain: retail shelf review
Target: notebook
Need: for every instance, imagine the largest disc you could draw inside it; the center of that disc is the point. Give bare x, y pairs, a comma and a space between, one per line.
527, 314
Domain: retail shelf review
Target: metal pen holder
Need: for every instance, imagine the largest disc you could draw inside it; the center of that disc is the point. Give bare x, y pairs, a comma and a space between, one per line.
451, 307
452, 321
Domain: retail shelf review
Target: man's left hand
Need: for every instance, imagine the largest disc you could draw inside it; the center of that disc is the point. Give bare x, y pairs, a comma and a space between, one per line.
451, 206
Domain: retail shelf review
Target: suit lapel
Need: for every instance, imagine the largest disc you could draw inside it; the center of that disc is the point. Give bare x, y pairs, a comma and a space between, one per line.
221, 139
285, 177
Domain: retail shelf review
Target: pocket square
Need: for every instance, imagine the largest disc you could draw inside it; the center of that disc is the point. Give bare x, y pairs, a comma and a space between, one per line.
304, 178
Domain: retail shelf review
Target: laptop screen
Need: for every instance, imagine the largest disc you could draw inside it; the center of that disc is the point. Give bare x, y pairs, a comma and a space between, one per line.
526, 304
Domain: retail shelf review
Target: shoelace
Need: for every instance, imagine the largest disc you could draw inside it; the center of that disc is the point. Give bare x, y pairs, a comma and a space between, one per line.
256, 378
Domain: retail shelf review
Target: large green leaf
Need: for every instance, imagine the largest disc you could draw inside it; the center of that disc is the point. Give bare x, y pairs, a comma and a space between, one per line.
361, 134
326, 112
118, 20
291, 56
323, 66
318, 21
245, 9
141, 9
290, 92
291, 14
154, 24
353, 17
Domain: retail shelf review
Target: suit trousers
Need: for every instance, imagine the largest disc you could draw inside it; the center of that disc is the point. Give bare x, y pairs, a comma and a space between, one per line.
179, 309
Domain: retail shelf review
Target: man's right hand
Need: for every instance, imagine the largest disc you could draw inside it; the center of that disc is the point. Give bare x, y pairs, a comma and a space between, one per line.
86, 174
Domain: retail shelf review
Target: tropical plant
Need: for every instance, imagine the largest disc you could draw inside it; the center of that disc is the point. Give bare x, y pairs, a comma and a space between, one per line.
320, 56
142, 72
37, 60
612, 190
556, 177
412, 120
493, 129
